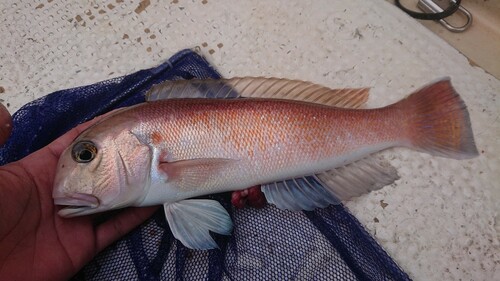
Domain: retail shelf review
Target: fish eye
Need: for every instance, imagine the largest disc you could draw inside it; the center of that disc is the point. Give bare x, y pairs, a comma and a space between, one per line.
84, 151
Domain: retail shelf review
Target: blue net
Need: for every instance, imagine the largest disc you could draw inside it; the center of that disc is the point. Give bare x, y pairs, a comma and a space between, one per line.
267, 244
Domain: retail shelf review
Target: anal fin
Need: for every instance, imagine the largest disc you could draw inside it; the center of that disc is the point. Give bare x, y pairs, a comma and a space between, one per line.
305, 193
358, 178
331, 187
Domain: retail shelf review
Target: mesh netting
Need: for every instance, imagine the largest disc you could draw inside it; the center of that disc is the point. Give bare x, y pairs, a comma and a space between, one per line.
267, 244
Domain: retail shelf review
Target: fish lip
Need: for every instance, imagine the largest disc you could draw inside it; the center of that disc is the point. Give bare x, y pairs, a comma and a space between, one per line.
69, 212
76, 204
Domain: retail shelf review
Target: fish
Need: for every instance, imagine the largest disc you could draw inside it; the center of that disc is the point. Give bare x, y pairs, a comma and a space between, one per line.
307, 146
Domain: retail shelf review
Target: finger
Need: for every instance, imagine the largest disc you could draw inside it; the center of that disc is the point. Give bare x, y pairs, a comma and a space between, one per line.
5, 124
58, 145
121, 224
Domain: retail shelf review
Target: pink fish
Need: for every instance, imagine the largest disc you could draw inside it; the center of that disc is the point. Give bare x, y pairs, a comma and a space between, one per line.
307, 146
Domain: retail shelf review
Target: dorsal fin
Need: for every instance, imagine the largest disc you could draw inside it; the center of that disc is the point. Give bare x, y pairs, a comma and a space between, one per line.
259, 87
195, 88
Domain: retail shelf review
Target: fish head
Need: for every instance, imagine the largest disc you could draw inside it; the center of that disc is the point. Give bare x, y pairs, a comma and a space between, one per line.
106, 167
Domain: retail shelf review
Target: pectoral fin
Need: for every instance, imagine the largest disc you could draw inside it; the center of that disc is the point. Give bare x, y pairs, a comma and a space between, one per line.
194, 173
192, 220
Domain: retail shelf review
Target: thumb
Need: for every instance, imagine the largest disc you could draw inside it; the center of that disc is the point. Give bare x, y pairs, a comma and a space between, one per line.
5, 124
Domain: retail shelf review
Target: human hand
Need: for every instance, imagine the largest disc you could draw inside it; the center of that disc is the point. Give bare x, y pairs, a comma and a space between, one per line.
5, 124
36, 243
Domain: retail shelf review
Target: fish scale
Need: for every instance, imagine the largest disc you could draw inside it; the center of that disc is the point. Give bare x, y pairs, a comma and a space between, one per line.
277, 134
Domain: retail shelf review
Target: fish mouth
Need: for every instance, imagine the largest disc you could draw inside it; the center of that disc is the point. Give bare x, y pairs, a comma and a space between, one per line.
77, 204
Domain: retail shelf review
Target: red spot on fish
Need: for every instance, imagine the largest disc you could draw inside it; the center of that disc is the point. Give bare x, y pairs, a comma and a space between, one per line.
252, 197
156, 138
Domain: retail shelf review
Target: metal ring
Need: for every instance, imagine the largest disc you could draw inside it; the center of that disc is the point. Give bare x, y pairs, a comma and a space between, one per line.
452, 28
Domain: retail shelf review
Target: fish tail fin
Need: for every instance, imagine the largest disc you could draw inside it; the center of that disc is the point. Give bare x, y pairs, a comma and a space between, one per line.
439, 122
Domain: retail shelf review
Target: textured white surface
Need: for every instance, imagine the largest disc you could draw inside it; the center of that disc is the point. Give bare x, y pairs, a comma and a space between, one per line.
439, 221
